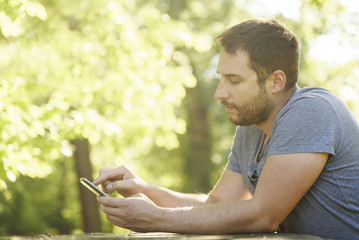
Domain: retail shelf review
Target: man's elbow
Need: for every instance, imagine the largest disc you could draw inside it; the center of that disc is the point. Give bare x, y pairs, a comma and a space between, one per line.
270, 226
265, 219
259, 226
262, 223
266, 224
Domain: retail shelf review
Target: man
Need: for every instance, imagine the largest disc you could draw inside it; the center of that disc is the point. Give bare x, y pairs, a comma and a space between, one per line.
294, 165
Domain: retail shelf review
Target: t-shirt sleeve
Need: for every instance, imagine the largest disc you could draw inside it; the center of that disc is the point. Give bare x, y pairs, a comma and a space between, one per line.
309, 124
233, 161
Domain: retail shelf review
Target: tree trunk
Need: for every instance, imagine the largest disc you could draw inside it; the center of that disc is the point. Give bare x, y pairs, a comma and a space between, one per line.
196, 144
198, 164
90, 207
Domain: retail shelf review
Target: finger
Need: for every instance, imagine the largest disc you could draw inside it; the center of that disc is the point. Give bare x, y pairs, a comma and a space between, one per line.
112, 202
109, 174
118, 216
110, 210
112, 214
102, 171
118, 221
115, 220
123, 185
107, 187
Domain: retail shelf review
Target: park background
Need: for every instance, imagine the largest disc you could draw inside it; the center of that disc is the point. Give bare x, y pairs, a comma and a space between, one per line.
86, 84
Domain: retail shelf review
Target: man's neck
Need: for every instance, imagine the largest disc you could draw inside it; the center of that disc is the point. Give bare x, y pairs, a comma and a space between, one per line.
279, 103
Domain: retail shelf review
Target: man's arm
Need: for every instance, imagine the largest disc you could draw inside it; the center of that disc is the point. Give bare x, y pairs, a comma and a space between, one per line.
127, 183
164, 197
230, 187
283, 182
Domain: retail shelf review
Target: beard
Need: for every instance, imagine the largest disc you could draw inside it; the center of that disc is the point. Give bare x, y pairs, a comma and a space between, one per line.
256, 110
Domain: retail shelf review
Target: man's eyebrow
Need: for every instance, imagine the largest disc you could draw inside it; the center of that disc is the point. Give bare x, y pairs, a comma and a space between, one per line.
229, 74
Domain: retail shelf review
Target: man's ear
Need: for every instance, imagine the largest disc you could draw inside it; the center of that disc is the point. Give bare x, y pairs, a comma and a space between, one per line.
279, 81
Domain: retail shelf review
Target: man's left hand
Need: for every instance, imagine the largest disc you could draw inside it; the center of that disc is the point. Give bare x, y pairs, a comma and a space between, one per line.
137, 212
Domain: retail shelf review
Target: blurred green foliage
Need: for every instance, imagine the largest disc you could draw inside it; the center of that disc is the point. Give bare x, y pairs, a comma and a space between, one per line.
117, 73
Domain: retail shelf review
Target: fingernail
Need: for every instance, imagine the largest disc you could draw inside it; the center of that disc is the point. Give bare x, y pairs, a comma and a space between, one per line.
109, 187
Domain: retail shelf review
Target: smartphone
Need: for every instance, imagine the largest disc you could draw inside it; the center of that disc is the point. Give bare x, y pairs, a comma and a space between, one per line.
92, 187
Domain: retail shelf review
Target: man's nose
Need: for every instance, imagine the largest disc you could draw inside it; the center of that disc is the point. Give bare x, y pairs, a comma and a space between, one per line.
221, 91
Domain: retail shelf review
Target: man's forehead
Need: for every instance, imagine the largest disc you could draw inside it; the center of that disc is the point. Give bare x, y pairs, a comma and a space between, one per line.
232, 64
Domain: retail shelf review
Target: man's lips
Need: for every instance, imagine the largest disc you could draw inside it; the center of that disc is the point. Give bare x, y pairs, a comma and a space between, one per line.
228, 107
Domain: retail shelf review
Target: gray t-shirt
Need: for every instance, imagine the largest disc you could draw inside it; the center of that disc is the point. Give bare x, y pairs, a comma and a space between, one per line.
313, 120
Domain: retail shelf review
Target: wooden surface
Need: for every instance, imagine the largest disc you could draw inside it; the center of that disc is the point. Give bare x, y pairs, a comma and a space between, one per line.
160, 236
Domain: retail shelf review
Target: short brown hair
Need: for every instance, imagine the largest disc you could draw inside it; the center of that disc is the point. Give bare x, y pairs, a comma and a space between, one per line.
270, 46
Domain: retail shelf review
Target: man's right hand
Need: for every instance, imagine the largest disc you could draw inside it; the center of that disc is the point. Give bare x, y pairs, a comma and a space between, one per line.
120, 179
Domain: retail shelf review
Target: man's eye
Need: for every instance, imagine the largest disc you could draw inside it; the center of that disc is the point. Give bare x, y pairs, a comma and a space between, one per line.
235, 81
232, 79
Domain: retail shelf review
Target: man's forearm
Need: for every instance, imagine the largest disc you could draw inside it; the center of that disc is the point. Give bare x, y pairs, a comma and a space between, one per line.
167, 198
222, 218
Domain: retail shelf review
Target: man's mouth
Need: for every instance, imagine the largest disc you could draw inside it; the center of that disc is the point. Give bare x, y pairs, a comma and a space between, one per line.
228, 107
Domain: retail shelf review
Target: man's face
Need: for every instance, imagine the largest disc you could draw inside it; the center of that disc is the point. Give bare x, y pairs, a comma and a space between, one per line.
245, 101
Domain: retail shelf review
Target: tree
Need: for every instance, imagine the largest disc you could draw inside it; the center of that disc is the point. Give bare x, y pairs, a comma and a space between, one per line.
100, 73
134, 78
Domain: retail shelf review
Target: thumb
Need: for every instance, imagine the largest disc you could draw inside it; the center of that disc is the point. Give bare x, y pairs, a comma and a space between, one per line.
123, 187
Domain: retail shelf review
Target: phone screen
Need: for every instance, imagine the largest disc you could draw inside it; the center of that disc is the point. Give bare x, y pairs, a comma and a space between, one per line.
92, 187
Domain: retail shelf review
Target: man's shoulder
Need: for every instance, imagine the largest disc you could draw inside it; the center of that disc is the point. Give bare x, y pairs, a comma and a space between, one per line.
314, 98
313, 93
308, 108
